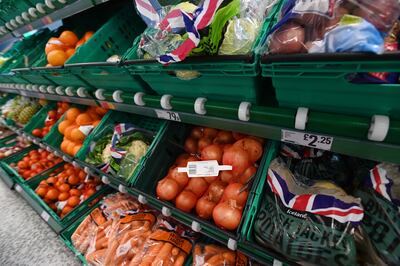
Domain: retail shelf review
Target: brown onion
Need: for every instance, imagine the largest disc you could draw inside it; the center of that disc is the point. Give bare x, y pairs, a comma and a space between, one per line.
224, 137
238, 158
197, 185
251, 146
203, 142
181, 178
232, 193
197, 132
226, 216
212, 152
205, 207
186, 201
191, 145
167, 189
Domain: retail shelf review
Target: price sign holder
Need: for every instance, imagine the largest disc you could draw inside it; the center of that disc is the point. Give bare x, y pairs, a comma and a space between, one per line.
169, 115
307, 139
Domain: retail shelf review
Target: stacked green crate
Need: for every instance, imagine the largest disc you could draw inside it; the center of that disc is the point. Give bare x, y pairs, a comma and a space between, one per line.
233, 78
90, 62
42, 208
155, 127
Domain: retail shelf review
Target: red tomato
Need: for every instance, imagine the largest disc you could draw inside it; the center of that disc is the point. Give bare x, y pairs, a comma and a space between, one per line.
52, 114
37, 132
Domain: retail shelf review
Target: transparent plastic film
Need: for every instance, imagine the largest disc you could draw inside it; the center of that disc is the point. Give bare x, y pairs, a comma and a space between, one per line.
213, 255
310, 222
242, 30
328, 26
380, 197
168, 244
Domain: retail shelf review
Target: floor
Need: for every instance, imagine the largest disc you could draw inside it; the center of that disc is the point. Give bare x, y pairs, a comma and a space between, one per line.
25, 239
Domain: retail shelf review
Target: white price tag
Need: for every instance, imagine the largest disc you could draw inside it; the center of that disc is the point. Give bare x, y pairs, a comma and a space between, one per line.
203, 168
45, 216
169, 115
307, 139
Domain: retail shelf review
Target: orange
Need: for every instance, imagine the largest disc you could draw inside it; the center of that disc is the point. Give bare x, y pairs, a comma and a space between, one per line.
77, 135
84, 119
72, 114
63, 125
70, 52
76, 148
70, 148
68, 37
101, 111
88, 35
95, 123
79, 43
64, 145
68, 130
93, 115
57, 57
54, 44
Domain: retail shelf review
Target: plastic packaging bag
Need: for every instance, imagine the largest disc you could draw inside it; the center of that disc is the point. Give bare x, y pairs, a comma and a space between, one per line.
174, 31
213, 255
311, 222
332, 26
380, 196
168, 244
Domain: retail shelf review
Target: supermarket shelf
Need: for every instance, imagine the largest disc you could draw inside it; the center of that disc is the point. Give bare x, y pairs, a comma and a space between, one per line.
345, 145
67, 11
266, 259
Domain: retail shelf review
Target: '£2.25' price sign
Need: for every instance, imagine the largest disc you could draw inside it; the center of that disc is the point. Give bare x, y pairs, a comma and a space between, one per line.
307, 139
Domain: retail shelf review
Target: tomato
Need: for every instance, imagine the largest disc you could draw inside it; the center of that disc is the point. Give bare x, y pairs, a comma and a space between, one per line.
37, 132
32, 152
52, 114
22, 165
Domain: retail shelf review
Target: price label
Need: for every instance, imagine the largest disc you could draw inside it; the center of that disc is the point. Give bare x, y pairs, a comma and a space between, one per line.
168, 115
45, 216
307, 139
203, 168
18, 188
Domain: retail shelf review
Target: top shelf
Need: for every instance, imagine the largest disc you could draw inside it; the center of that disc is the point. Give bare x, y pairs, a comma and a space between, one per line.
14, 28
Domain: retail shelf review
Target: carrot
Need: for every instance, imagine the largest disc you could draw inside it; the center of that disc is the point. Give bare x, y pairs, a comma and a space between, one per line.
147, 258
163, 255
180, 259
81, 228
229, 256
111, 252
215, 260
175, 251
95, 258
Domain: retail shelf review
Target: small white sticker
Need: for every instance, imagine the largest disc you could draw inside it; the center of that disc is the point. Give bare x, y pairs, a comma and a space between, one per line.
86, 129
45, 216
307, 139
203, 168
169, 115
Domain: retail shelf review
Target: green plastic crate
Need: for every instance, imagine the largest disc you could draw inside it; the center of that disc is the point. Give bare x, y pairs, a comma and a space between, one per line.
247, 242
9, 9
320, 82
15, 158
106, 126
225, 78
159, 163
38, 120
52, 219
113, 38
54, 138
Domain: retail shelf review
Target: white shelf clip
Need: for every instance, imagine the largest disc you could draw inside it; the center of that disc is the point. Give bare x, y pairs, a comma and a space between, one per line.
32, 12
49, 4
138, 99
50, 89
59, 90
122, 189
301, 118
199, 106
232, 244
99, 93
75, 164
40, 8
244, 111
196, 226
165, 102
42, 88
117, 96
142, 199
82, 92
379, 128
165, 211
105, 180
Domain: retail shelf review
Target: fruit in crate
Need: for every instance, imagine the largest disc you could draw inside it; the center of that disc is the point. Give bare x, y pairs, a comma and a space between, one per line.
20, 109
66, 188
222, 197
76, 125
58, 50
51, 118
20, 144
35, 162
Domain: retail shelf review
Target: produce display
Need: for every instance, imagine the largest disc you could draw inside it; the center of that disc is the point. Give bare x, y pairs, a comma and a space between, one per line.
5, 132
223, 197
66, 188
20, 109
77, 124
8, 150
213, 255
120, 152
58, 50
35, 162
51, 118
123, 232
229, 29
333, 26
